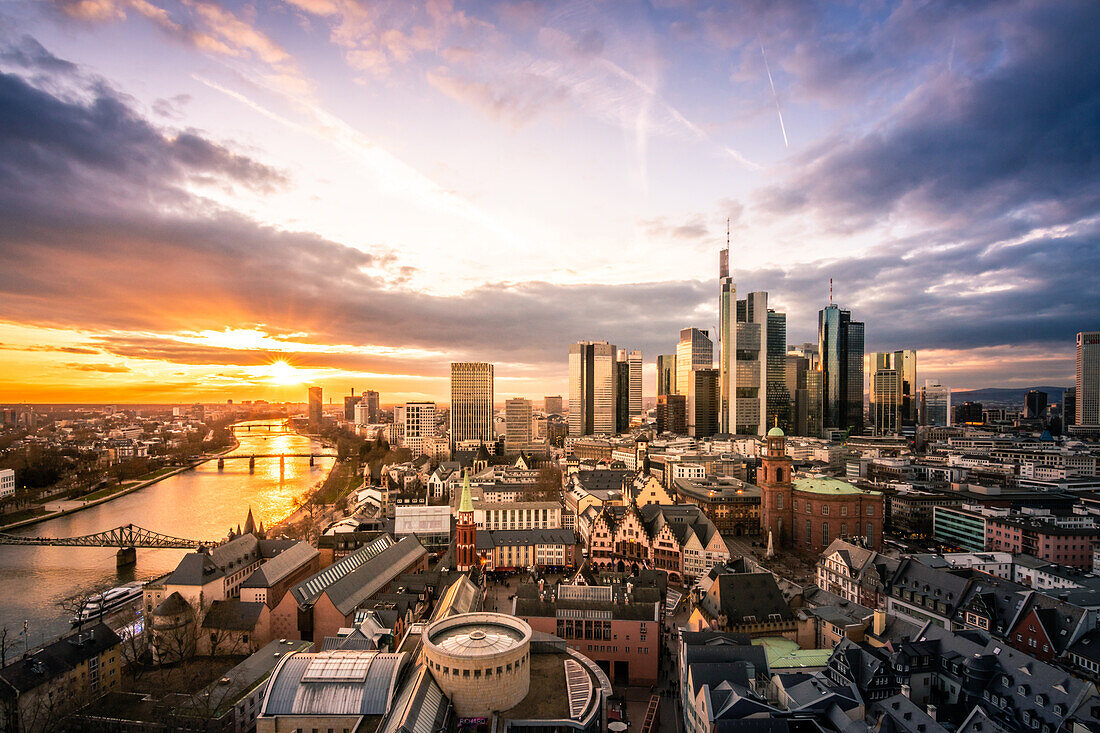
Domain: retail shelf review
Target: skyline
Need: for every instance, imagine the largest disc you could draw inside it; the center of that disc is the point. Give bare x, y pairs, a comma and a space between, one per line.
369, 194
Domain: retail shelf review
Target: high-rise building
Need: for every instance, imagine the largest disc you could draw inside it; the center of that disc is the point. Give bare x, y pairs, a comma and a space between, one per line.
808, 403
1069, 406
315, 405
935, 404
374, 408
634, 364
350, 402
471, 402
517, 423
1088, 379
672, 414
622, 393
702, 402
778, 396
666, 374
552, 405
694, 351
969, 413
592, 388
742, 360
1035, 404
419, 427
840, 343
893, 391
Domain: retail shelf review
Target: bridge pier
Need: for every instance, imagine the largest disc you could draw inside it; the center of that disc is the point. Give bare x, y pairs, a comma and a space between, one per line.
221, 463
311, 459
252, 464
125, 557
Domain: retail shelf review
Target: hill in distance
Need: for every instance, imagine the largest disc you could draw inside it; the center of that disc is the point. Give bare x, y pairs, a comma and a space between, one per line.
1005, 396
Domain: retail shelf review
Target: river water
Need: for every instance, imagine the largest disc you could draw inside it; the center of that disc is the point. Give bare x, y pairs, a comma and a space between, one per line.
203, 503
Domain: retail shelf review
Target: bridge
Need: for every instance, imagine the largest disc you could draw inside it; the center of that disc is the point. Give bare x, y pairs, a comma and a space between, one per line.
126, 538
281, 456
249, 427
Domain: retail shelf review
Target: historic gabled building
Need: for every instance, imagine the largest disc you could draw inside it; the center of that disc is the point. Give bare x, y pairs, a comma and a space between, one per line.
855, 573
679, 539
647, 489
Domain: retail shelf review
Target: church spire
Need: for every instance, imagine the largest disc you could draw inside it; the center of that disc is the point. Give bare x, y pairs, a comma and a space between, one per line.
466, 503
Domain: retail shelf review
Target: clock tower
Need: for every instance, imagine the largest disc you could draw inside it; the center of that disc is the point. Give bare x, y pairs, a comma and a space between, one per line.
774, 479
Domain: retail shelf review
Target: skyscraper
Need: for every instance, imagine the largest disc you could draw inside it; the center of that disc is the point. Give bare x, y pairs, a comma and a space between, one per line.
315, 405
1069, 406
592, 388
840, 343
672, 414
695, 351
1088, 378
742, 361
552, 405
778, 396
350, 401
634, 363
1035, 403
702, 402
419, 426
517, 423
666, 374
622, 392
893, 380
935, 404
471, 401
374, 409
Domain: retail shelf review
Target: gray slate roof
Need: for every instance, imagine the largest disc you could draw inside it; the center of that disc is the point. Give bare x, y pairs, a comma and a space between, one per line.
282, 565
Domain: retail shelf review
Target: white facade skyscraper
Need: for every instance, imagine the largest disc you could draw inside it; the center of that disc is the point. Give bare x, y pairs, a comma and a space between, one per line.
742, 367
419, 427
1088, 378
471, 402
935, 404
634, 364
517, 423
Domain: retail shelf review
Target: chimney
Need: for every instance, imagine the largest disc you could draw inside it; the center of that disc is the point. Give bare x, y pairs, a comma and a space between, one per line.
879, 623
932, 711
905, 691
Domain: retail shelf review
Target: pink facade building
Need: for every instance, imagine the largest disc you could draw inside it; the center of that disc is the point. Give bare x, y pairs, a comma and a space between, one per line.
1042, 539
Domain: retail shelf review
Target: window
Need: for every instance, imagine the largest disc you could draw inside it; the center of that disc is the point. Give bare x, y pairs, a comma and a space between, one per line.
779, 501
843, 510
824, 533
870, 511
824, 509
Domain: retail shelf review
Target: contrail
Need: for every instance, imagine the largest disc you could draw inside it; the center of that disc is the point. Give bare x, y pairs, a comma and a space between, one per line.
775, 96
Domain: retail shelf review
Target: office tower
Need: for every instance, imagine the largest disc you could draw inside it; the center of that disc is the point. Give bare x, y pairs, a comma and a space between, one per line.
778, 396
471, 401
634, 364
419, 426
666, 374
552, 405
1035, 404
808, 403
361, 415
315, 405
517, 423
672, 414
742, 360
695, 351
374, 409
702, 402
1069, 406
622, 393
350, 403
840, 343
1087, 390
935, 404
893, 380
399, 414
969, 413
592, 388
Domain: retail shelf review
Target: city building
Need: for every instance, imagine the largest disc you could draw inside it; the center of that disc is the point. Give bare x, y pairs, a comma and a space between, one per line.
666, 374
419, 436
552, 405
702, 398
804, 383
840, 343
778, 395
894, 403
855, 573
617, 626
465, 529
622, 393
695, 350
592, 388
733, 505
1087, 387
44, 685
350, 403
742, 362
1035, 404
517, 423
738, 598
935, 404
374, 409
634, 366
7, 482
1069, 406
963, 527
316, 406
672, 414
471, 410
1043, 538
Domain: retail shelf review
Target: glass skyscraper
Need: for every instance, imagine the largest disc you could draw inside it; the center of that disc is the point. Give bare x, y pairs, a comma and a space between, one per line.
742, 362
840, 343
778, 396
666, 374
592, 388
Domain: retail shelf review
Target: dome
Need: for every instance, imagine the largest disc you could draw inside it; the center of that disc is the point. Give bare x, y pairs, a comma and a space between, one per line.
775, 432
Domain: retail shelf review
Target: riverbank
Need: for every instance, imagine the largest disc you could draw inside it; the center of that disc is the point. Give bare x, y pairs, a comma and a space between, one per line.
77, 505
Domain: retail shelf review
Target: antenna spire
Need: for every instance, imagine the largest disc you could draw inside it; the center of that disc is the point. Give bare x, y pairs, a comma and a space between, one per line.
727, 232
830, 291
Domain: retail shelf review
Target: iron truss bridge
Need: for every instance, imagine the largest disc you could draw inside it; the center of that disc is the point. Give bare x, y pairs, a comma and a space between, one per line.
126, 536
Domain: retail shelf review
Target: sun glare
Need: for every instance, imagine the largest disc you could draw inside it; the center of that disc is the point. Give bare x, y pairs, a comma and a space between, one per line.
280, 372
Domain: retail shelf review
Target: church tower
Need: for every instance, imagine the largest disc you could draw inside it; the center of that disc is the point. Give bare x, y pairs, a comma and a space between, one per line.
465, 529
774, 478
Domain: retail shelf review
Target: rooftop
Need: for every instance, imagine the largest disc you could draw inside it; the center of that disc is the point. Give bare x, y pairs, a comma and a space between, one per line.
783, 653
828, 486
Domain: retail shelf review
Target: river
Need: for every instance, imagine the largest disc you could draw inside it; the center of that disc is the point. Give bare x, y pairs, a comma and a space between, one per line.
201, 503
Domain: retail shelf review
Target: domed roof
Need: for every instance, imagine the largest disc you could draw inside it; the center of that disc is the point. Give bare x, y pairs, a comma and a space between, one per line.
775, 432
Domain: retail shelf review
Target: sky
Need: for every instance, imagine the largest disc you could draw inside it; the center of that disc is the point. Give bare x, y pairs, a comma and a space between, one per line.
204, 200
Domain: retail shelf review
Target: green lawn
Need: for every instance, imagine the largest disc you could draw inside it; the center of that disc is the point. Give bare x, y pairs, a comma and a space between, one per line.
103, 492
22, 514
